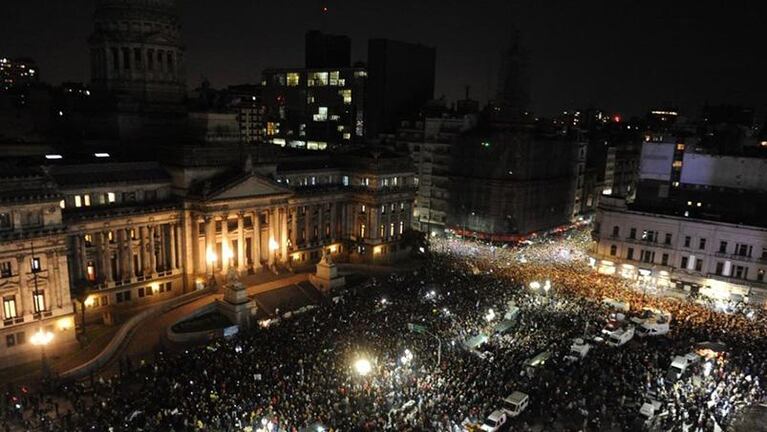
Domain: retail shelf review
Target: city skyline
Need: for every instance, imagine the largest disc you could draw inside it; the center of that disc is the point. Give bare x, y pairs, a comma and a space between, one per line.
611, 62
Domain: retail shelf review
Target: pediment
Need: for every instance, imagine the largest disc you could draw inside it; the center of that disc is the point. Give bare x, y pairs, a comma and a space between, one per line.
249, 187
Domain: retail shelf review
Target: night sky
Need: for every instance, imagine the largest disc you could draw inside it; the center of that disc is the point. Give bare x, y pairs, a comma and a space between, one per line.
621, 55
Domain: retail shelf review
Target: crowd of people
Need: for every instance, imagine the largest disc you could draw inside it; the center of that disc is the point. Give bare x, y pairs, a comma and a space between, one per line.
298, 373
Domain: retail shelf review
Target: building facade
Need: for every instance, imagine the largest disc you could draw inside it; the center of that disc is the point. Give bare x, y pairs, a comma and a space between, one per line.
17, 73
34, 276
314, 109
717, 259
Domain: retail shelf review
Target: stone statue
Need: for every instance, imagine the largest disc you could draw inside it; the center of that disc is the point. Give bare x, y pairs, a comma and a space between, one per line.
326, 257
231, 276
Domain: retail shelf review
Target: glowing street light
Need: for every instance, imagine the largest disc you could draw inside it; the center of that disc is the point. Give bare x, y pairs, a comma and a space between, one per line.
362, 366
273, 245
535, 285
41, 338
406, 357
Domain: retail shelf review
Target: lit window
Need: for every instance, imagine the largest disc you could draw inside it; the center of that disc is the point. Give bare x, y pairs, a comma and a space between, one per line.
680, 146
362, 230
62, 204
322, 114
110, 197
362, 209
401, 226
391, 229
360, 74
317, 79
345, 180
346, 94
9, 307
347, 136
334, 78
78, 201
366, 181
677, 164
293, 79
381, 230
39, 301
87, 200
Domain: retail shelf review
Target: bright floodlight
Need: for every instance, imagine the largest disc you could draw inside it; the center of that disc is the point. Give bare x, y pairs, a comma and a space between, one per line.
535, 285
42, 337
363, 366
273, 245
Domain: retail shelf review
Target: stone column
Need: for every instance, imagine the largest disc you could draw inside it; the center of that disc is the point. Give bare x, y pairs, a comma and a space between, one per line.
226, 245
125, 239
106, 256
162, 259
52, 287
142, 254
294, 229
320, 223
210, 243
272, 234
20, 262
83, 258
307, 224
333, 223
255, 248
55, 266
241, 242
173, 246
284, 234
152, 255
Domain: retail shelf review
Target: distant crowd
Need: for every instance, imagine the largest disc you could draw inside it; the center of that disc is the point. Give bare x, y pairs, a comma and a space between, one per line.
298, 373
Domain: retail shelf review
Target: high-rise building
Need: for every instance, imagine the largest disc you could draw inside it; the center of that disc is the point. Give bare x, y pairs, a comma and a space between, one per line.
17, 73
315, 109
324, 50
400, 82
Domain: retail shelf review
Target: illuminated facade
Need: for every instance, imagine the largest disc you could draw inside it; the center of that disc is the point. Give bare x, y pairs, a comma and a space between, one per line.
34, 277
717, 259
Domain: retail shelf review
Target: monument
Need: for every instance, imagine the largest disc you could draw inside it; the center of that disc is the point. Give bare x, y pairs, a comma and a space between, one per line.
326, 277
237, 306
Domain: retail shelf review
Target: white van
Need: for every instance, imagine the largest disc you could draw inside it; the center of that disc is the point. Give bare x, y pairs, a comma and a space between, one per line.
615, 304
653, 328
620, 336
578, 350
515, 403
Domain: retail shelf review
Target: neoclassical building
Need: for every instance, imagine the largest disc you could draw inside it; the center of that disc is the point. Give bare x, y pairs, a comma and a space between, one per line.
116, 236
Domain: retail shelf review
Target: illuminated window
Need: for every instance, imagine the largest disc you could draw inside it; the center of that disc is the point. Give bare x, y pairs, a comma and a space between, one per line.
401, 226
347, 136
680, 146
87, 200
346, 94
62, 204
362, 230
88, 239
9, 307
383, 209
677, 164
363, 208
272, 128
345, 180
293, 79
39, 301
402, 206
360, 74
322, 114
391, 229
78, 201
381, 230
111, 236
317, 79
110, 197
35, 264
366, 181
91, 271
279, 141
334, 78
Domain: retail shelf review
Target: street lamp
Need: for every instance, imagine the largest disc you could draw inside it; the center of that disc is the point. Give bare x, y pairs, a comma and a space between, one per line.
362, 366
535, 285
273, 245
42, 338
